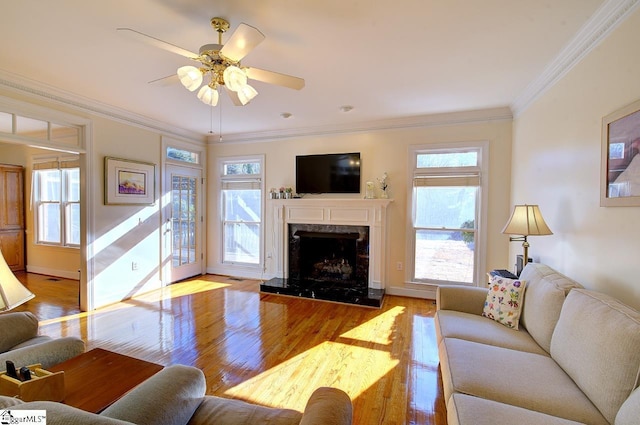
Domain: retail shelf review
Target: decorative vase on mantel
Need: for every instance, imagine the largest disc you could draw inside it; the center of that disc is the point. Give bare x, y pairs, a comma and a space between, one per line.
384, 186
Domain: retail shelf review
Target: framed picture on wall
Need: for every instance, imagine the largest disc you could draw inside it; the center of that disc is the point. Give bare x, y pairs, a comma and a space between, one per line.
620, 159
128, 182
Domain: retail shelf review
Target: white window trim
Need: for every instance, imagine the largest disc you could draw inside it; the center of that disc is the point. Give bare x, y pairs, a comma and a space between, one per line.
250, 268
482, 206
64, 202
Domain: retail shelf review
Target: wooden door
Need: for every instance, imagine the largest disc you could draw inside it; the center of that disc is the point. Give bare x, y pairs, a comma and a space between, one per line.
12, 215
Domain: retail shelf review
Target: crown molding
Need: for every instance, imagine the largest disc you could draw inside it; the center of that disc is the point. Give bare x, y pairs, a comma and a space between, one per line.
37, 90
607, 18
431, 120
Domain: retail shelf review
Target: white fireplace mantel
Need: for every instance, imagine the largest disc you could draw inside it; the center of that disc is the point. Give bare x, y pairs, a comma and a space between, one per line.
335, 211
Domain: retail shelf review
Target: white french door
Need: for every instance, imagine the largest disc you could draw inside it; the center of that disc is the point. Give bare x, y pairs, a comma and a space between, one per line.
183, 223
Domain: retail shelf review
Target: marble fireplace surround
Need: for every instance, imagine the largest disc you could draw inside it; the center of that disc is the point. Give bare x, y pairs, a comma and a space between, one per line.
325, 211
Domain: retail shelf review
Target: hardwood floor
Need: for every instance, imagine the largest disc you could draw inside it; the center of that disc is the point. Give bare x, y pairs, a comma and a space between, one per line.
267, 349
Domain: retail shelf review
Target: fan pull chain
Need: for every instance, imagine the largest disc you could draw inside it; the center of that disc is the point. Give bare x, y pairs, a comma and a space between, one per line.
210, 119
220, 124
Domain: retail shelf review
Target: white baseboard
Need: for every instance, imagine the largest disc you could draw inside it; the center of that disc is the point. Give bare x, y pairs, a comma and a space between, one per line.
52, 272
236, 271
427, 293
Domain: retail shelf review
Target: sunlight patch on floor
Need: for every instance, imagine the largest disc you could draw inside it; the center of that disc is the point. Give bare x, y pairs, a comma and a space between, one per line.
176, 290
378, 330
351, 368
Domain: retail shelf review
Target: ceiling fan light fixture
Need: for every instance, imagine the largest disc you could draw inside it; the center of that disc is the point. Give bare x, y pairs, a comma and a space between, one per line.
246, 93
234, 78
208, 95
190, 77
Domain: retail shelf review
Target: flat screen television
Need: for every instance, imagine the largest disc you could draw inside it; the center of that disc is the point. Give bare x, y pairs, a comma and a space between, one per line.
328, 173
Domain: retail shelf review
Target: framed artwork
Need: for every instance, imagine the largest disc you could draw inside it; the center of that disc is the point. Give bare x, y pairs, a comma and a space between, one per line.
620, 162
128, 182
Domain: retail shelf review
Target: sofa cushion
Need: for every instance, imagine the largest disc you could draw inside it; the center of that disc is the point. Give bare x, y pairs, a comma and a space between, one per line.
630, 410
546, 291
16, 328
223, 411
464, 409
526, 380
472, 327
504, 301
594, 332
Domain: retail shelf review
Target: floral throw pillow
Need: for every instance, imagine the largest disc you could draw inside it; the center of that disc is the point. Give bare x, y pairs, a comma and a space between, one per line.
504, 301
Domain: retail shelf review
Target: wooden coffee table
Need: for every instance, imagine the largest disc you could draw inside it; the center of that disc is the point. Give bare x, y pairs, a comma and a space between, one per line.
96, 379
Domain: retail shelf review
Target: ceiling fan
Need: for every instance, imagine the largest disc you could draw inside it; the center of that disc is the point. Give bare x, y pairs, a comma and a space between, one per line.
220, 64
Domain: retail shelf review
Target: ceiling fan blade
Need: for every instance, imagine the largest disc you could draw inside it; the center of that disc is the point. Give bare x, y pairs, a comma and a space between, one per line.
156, 42
234, 97
242, 41
165, 81
275, 78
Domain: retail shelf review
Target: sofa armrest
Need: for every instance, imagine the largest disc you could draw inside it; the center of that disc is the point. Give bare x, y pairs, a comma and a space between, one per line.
171, 396
47, 353
328, 406
465, 299
16, 328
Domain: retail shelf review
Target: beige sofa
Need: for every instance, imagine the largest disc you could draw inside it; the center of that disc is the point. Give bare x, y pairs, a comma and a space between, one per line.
176, 396
20, 342
574, 360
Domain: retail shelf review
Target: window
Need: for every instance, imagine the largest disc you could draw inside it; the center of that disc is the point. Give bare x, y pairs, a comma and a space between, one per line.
241, 201
56, 198
183, 155
445, 197
38, 130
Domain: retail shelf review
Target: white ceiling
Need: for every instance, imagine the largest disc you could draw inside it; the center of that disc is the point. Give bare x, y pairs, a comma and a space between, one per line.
389, 60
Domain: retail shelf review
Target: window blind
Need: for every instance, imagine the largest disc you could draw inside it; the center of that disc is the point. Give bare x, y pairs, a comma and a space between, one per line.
447, 180
246, 184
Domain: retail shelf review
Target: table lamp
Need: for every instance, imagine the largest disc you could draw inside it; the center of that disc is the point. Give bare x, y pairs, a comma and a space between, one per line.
526, 220
12, 292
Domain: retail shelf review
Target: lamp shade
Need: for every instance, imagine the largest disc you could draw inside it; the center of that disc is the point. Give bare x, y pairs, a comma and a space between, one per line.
526, 220
12, 292
190, 77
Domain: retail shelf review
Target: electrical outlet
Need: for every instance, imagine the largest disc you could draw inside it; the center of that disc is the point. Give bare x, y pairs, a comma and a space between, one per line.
134, 266
399, 265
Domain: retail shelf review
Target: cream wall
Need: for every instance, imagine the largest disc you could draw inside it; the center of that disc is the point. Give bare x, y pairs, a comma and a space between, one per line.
118, 235
556, 164
383, 150
49, 260
124, 234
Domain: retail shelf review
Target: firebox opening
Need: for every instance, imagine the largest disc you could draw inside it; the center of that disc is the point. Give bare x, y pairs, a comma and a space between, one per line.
336, 255
328, 256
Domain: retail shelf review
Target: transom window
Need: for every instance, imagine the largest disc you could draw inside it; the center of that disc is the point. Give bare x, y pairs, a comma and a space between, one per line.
445, 201
183, 155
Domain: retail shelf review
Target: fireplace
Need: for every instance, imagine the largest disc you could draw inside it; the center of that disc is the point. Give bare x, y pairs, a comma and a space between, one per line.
329, 249
335, 254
